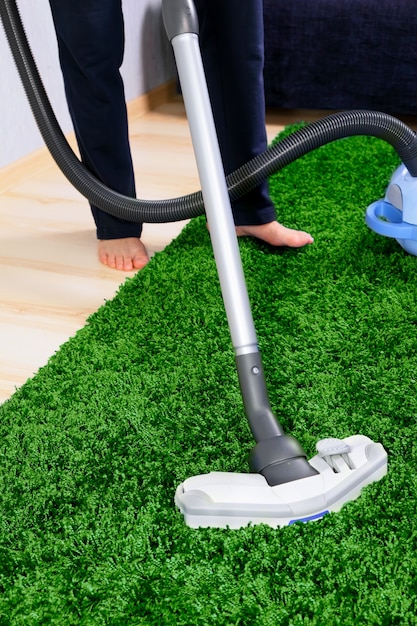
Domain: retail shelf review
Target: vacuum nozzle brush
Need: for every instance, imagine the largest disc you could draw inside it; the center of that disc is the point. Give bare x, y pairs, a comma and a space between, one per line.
343, 467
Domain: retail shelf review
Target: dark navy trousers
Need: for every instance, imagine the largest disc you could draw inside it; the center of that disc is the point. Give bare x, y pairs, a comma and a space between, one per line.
90, 36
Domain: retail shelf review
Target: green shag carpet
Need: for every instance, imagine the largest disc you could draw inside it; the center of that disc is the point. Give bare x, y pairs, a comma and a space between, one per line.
146, 395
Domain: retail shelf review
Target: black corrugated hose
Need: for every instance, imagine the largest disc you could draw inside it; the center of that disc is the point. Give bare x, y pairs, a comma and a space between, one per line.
240, 182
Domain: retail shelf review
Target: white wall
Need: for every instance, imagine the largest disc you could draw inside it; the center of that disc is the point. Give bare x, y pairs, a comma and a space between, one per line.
148, 63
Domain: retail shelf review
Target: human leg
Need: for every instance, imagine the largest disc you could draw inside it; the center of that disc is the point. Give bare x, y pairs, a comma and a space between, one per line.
232, 43
90, 35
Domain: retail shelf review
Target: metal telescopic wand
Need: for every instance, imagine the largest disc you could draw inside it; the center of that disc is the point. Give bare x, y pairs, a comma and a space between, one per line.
274, 447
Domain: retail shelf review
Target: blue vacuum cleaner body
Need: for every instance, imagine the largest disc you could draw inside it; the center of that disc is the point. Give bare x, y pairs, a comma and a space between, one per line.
396, 215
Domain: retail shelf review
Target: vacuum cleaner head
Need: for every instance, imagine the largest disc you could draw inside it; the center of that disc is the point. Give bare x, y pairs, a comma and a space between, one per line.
396, 215
227, 500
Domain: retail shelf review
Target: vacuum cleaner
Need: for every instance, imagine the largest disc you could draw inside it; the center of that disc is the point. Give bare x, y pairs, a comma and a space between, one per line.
283, 487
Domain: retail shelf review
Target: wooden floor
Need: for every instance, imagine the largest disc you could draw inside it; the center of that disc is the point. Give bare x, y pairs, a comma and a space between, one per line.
51, 280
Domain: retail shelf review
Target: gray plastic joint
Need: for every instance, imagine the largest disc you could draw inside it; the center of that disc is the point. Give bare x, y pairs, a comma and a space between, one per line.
281, 460
180, 17
277, 456
262, 421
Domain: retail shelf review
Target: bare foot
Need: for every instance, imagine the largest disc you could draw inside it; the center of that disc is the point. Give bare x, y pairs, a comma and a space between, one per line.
123, 254
276, 234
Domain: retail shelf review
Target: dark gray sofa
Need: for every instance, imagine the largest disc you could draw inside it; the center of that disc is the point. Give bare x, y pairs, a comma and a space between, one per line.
341, 54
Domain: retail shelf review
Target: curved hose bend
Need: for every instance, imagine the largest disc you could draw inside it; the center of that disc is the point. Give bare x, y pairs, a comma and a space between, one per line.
240, 182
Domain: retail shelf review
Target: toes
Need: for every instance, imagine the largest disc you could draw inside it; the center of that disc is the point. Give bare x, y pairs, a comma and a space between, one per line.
297, 239
127, 265
111, 261
102, 257
276, 234
123, 254
139, 262
123, 263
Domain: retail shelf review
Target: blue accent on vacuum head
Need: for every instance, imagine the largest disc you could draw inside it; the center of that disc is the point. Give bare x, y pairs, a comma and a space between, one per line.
309, 518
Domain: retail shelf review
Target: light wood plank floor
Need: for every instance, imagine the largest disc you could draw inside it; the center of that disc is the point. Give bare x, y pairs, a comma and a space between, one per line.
51, 280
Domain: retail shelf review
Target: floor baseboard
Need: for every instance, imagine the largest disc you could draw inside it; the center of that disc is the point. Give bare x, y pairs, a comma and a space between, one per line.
152, 100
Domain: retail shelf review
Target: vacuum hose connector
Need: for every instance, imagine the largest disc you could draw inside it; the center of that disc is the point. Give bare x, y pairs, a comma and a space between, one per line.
180, 17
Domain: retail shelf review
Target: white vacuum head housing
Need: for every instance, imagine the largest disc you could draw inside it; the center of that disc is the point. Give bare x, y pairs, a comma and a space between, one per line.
228, 500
